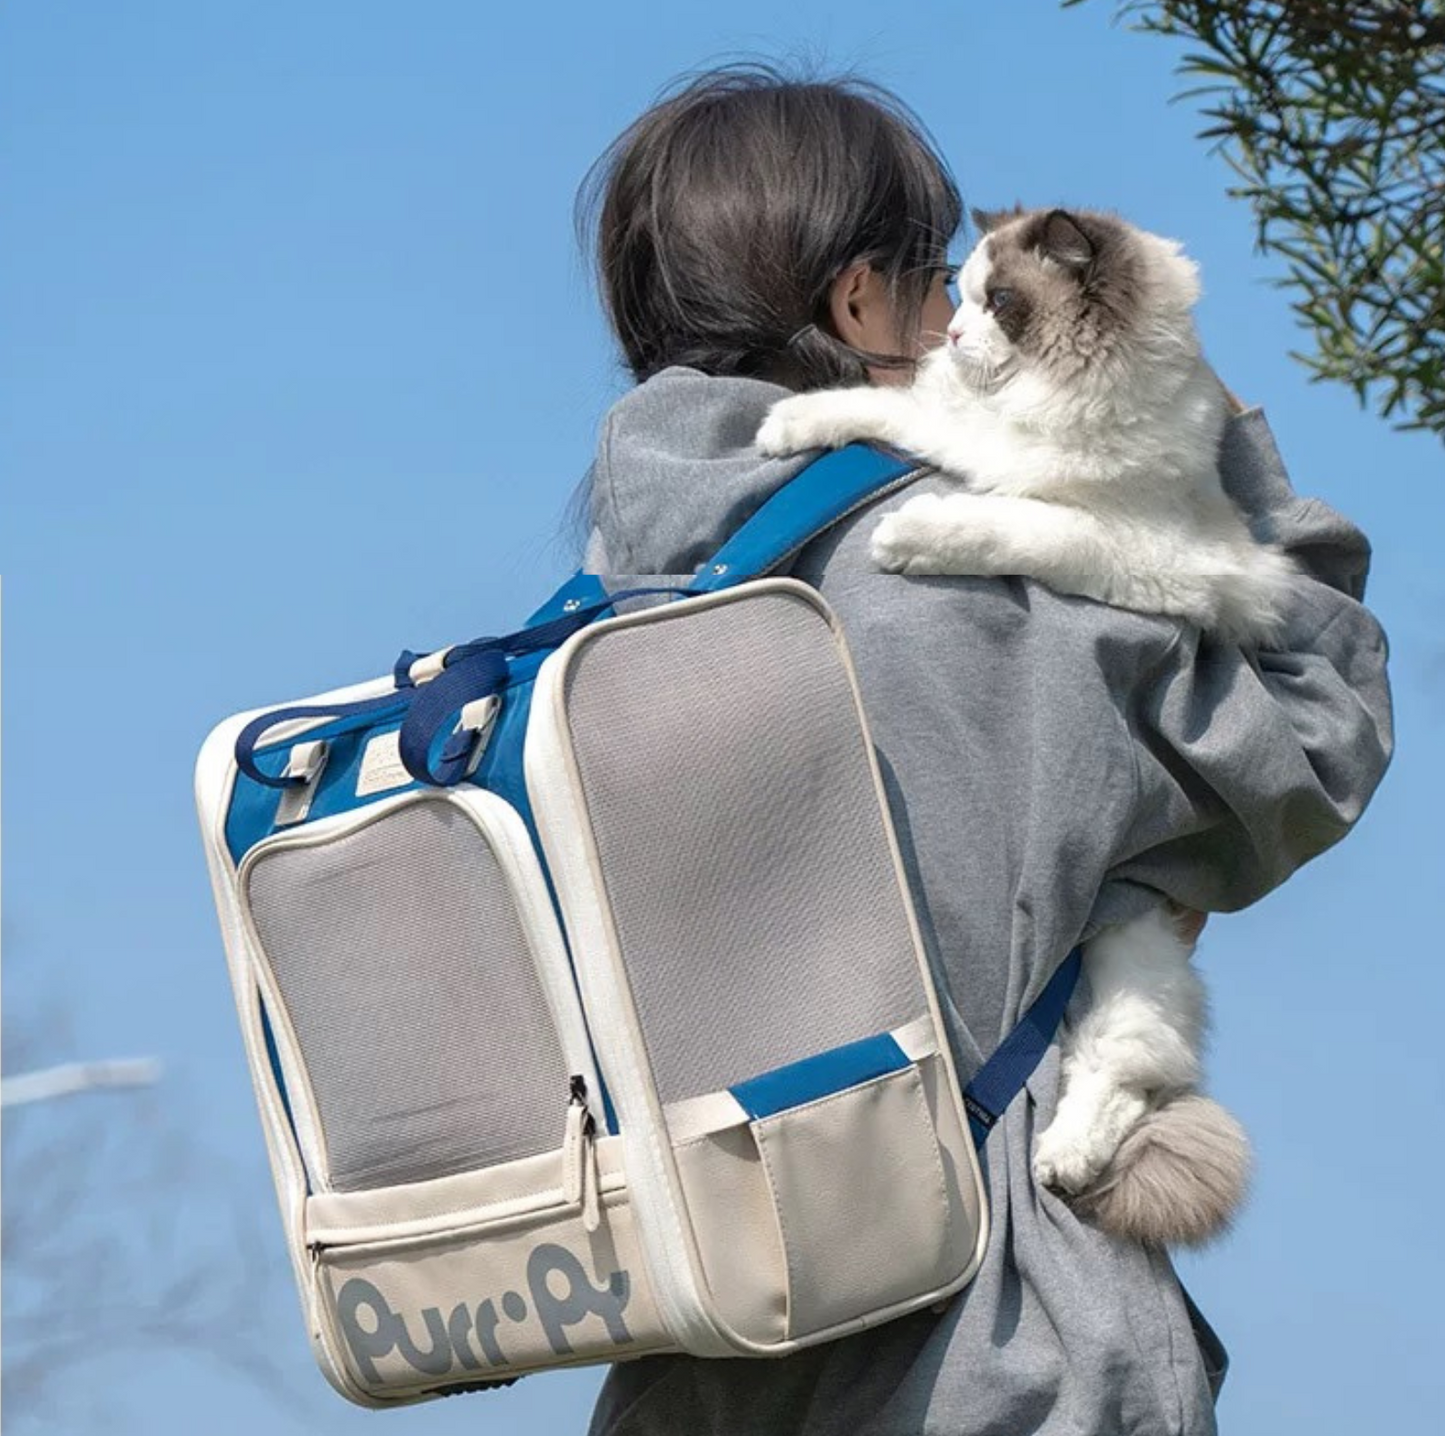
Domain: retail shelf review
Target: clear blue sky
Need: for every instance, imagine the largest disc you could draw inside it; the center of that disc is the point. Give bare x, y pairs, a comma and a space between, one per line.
298, 367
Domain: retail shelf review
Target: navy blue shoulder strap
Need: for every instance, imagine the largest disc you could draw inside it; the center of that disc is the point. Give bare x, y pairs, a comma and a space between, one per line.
1002, 1077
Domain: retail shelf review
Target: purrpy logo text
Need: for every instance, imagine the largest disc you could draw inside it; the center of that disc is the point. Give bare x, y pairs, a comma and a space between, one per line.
468, 1338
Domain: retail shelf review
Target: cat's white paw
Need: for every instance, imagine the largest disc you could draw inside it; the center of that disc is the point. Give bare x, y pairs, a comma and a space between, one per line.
1066, 1162
793, 425
904, 540
827, 419
1077, 1145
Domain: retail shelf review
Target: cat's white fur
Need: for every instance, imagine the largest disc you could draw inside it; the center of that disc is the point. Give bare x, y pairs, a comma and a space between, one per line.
1101, 482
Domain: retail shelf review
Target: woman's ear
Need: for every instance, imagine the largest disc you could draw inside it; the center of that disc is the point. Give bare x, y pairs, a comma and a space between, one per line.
862, 313
861, 309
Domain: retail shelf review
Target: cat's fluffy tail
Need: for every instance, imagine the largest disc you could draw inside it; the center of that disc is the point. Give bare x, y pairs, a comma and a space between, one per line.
1177, 1179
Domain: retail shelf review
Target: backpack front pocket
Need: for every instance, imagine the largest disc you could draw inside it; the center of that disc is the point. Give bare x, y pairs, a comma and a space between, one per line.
466, 1281
465, 1218
840, 1176
858, 1182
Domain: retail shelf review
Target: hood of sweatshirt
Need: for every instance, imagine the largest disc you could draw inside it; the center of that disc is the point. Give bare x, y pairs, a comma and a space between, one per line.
676, 472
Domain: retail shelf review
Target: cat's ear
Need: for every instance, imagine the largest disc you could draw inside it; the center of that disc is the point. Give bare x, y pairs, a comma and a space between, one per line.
1063, 240
986, 219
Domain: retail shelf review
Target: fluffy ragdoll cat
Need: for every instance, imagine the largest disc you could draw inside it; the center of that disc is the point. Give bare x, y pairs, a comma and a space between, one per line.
1073, 406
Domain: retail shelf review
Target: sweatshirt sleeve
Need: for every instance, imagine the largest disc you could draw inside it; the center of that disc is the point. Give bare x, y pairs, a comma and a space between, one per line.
1249, 764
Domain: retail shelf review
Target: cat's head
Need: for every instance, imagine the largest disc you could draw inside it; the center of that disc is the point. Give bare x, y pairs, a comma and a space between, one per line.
1071, 305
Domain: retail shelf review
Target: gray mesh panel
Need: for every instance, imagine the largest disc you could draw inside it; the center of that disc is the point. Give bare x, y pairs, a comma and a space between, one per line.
739, 829
422, 1024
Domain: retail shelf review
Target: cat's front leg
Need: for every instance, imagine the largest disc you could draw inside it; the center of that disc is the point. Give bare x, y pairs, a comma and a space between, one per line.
831, 418
993, 535
1136, 1040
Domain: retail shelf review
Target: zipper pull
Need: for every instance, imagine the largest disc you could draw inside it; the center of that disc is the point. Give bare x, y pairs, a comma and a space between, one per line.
580, 1182
574, 1138
591, 1182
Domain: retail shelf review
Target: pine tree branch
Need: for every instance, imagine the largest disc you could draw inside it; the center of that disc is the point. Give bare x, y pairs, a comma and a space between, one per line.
1332, 117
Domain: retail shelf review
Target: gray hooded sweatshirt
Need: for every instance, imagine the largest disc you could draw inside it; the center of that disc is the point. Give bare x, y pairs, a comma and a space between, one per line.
1052, 764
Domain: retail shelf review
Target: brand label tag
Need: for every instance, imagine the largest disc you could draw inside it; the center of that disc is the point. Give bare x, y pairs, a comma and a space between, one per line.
381, 765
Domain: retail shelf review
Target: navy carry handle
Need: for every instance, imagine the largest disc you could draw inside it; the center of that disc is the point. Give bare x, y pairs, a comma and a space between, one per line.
468, 672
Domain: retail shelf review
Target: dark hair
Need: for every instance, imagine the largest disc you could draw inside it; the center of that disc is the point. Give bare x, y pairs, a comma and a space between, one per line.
722, 216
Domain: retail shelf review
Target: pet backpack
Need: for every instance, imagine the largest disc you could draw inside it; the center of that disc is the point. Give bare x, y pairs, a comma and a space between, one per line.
582, 992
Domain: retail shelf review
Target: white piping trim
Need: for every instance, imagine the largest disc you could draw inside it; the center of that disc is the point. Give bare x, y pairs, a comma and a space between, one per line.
965, 1153
214, 781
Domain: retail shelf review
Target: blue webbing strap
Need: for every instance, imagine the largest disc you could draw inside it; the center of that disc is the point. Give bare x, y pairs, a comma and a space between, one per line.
1002, 1077
475, 674
816, 498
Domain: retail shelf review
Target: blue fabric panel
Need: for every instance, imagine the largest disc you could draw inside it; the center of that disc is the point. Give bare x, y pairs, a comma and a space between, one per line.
821, 494
819, 1076
1002, 1077
252, 812
500, 770
584, 588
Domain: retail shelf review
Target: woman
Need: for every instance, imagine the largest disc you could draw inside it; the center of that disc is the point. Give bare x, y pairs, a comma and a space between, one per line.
1053, 763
